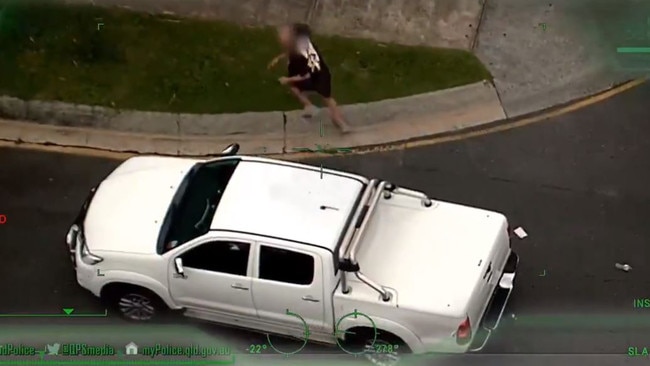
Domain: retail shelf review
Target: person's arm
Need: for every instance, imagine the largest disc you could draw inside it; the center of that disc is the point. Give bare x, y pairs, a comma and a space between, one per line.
294, 79
298, 78
277, 59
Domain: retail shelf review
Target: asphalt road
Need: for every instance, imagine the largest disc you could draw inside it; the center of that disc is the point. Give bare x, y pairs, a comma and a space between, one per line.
578, 184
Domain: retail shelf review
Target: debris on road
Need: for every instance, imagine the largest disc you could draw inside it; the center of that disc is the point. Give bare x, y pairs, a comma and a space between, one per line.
623, 267
520, 232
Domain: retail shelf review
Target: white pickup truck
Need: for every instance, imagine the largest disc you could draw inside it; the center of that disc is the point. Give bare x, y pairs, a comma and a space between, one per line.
294, 250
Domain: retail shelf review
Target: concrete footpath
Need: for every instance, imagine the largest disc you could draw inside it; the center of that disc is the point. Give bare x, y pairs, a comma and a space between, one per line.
376, 123
542, 53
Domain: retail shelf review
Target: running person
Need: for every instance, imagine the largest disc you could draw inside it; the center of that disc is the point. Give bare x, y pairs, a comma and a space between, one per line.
307, 71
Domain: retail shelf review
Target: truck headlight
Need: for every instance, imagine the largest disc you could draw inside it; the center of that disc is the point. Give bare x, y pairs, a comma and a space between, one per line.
85, 254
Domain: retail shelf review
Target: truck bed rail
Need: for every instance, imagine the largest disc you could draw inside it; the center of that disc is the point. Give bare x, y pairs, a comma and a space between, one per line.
374, 191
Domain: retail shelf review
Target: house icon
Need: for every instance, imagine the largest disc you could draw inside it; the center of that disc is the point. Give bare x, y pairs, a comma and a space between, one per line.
131, 349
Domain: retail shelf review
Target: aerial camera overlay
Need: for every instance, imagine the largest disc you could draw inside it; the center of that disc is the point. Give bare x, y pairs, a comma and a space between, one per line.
205, 182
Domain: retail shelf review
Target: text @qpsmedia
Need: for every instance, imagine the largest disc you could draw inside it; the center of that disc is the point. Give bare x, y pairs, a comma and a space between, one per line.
82, 349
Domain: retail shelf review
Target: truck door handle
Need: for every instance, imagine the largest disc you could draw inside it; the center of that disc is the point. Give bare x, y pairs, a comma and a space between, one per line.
310, 299
238, 286
488, 271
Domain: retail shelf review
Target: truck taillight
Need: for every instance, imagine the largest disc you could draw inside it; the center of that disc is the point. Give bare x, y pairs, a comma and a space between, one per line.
464, 332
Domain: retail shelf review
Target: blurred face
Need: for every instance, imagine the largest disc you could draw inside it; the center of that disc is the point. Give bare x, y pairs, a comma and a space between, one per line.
285, 36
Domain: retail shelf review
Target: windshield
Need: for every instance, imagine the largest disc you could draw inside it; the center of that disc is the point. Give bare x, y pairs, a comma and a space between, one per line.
195, 203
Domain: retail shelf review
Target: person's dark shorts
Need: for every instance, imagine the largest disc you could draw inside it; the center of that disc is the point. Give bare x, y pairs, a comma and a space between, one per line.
320, 83
322, 86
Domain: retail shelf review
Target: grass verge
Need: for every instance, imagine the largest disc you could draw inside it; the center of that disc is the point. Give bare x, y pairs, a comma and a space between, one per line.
158, 63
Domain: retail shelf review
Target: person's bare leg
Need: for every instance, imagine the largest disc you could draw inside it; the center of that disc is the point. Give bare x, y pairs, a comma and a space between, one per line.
336, 115
308, 106
301, 97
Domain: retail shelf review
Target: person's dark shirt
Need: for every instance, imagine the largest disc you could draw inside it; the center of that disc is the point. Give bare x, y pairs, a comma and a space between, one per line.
305, 58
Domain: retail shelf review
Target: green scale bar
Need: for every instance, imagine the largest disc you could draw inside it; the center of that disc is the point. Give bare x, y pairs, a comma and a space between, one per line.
633, 50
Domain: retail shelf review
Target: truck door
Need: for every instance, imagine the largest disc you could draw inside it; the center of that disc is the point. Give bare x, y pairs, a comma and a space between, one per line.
289, 281
215, 279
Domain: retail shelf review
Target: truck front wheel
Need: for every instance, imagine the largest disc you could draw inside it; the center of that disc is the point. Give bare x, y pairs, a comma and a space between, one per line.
134, 303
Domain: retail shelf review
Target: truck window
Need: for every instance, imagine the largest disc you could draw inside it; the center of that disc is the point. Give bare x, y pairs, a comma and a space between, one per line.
195, 203
286, 266
219, 256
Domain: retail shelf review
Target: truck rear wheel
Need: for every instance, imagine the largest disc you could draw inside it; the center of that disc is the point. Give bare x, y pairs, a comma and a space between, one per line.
386, 350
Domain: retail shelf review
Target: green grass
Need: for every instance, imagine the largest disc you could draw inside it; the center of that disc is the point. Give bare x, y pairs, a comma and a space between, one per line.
146, 62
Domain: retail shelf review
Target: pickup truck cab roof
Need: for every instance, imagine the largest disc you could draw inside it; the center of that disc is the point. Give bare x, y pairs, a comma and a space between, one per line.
314, 206
245, 192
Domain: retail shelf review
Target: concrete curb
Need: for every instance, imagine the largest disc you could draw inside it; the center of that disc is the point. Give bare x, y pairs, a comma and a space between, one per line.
376, 123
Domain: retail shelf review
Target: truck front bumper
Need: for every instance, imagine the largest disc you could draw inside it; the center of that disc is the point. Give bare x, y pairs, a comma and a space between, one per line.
497, 304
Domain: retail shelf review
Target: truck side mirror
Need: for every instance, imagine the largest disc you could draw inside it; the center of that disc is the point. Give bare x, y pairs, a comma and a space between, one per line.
231, 149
